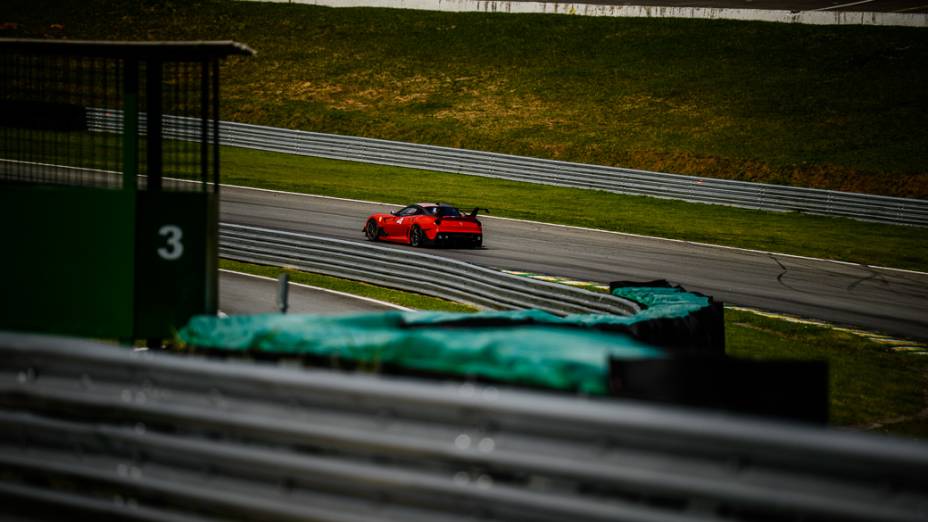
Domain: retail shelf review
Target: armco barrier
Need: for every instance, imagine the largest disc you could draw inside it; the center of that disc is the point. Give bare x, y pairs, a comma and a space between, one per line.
97, 431
412, 271
865, 207
700, 329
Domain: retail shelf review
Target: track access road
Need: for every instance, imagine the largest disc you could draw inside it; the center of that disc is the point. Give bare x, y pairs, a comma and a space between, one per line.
247, 294
891, 301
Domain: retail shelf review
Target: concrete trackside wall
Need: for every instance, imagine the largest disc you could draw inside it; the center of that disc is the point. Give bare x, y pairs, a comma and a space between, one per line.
635, 11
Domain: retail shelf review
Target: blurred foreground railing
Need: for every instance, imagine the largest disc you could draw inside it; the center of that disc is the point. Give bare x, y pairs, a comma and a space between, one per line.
94, 430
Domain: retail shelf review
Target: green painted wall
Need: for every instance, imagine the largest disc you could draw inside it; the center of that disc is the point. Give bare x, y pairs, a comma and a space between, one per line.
67, 260
106, 263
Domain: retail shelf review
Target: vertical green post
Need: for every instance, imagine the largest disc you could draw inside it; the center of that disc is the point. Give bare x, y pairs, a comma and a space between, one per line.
130, 127
212, 255
154, 152
130, 160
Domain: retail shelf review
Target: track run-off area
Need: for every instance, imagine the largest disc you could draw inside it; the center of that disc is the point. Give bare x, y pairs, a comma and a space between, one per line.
874, 298
241, 293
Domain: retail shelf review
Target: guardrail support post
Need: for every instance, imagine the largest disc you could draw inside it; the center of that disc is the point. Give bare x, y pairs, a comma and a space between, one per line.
283, 292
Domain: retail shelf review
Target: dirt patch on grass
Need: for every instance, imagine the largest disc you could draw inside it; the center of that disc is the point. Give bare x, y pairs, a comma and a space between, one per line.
493, 110
491, 106
368, 93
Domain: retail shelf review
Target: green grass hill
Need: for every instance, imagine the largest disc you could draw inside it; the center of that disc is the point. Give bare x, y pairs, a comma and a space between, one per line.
830, 107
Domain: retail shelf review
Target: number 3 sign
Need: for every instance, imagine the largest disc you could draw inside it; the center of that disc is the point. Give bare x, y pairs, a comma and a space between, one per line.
174, 248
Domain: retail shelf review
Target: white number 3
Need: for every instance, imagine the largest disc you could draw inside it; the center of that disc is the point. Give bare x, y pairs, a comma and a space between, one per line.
175, 248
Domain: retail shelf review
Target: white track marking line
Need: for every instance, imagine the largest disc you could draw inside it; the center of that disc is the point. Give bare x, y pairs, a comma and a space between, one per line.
911, 8
893, 343
626, 234
273, 191
849, 4
710, 245
328, 290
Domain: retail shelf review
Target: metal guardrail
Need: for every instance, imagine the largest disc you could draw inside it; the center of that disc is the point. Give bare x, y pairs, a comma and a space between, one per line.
412, 271
865, 207
99, 430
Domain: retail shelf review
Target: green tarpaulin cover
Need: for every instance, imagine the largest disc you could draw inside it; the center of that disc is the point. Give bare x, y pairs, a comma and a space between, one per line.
529, 347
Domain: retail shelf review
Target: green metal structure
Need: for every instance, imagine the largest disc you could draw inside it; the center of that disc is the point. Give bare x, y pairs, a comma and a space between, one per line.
109, 185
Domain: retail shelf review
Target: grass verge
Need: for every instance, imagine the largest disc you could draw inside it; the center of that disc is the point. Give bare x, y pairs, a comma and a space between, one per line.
871, 386
407, 299
790, 233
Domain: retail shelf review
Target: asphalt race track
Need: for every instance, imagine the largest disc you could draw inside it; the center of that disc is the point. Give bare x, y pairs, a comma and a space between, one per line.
891, 301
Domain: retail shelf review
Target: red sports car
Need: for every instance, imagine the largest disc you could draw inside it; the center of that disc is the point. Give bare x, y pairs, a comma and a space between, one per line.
426, 223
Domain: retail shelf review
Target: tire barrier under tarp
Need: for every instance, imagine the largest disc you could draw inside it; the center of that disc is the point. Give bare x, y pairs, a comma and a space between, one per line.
673, 351
697, 372
526, 347
790, 389
673, 317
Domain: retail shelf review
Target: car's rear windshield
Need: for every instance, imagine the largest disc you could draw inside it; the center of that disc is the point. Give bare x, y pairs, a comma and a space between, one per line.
444, 211
448, 212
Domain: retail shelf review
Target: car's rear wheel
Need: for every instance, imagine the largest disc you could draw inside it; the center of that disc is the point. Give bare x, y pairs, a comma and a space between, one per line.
477, 243
371, 230
416, 237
